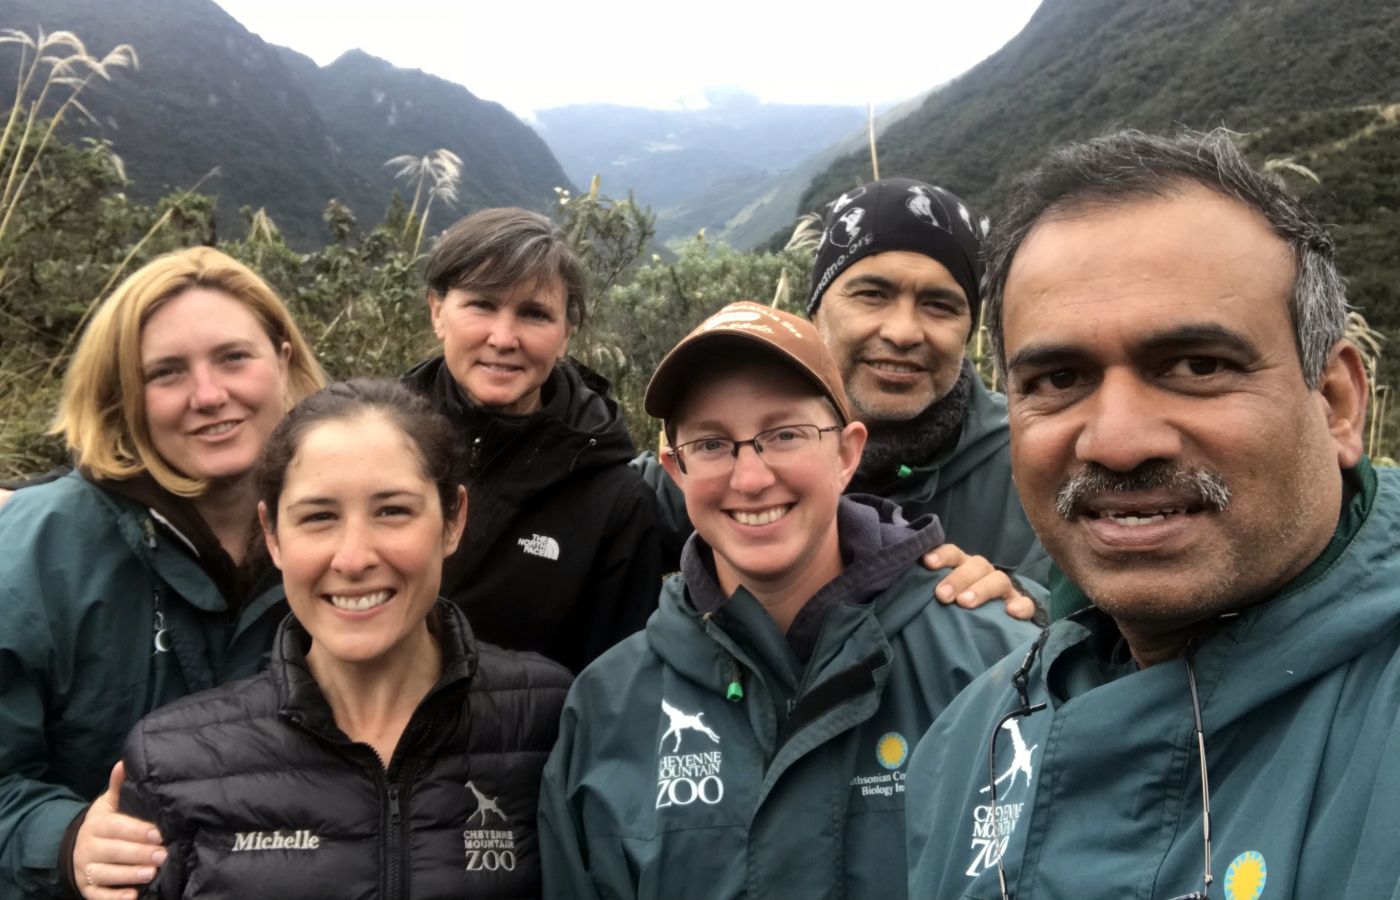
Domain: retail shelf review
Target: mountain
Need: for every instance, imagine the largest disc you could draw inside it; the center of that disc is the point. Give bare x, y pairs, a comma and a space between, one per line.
1081, 67
667, 156
1296, 70
284, 133
376, 111
746, 211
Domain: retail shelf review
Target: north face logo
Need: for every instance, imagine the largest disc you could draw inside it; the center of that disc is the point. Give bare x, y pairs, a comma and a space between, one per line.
540, 545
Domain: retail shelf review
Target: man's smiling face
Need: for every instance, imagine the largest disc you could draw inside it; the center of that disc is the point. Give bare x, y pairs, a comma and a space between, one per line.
1164, 443
896, 323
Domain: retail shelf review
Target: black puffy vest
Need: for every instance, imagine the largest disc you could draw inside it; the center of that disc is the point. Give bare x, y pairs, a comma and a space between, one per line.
257, 793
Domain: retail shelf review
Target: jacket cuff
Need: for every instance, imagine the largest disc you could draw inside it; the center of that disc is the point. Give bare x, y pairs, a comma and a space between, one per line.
65, 855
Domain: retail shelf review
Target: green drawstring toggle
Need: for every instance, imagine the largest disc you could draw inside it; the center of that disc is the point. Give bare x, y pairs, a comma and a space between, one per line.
905, 471
736, 692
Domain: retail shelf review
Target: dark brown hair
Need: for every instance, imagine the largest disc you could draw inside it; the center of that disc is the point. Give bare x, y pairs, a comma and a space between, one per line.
497, 249
429, 433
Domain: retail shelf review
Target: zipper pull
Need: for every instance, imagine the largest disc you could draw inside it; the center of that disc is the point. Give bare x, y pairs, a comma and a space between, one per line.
150, 529
393, 804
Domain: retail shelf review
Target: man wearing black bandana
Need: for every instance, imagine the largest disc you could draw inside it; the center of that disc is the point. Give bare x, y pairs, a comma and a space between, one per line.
895, 295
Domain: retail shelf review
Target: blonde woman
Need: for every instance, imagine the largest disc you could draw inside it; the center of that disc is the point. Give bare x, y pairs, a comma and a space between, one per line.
123, 586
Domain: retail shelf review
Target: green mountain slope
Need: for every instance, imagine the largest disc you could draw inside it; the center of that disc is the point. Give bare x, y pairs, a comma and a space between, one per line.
376, 111
1082, 67
283, 133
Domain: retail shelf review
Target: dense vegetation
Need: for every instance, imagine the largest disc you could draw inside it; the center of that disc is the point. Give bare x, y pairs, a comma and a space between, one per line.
281, 132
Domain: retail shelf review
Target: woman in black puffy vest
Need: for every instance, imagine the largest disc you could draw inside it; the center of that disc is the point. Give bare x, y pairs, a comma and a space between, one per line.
385, 752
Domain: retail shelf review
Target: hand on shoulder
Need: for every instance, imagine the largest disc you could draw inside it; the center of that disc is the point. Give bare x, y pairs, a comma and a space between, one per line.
975, 581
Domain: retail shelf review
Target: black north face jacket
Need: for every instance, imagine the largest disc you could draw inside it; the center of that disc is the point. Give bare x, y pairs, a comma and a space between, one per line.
561, 554
258, 793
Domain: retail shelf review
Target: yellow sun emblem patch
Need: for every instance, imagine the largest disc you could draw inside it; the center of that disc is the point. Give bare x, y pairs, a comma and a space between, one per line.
1246, 876
892, 750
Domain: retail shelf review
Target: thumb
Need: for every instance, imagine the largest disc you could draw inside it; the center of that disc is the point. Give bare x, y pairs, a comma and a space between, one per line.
114, 783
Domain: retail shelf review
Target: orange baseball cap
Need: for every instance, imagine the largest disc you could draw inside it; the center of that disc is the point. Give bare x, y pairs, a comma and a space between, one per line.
753, 327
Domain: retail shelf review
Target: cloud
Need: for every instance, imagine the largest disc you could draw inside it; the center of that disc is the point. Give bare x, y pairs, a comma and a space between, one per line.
547, 53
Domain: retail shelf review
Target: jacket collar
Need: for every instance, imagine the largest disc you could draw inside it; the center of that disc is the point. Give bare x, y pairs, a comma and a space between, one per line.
298, 694
1334, 611
984, 434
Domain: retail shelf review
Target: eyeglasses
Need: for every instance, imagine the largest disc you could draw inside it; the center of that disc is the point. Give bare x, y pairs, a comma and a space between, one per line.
1020, 681
777, 446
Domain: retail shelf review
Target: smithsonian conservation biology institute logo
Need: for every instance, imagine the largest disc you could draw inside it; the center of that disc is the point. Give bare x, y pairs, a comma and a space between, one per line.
683, 778
891, 752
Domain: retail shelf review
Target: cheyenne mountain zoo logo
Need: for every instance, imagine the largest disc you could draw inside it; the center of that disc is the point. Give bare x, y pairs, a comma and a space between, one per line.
489, 849
993, 824
683, 778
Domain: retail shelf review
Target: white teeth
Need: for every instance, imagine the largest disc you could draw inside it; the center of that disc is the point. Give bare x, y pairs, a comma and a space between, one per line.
361, 603
897, 368
221, 428
1143, 520
763, 517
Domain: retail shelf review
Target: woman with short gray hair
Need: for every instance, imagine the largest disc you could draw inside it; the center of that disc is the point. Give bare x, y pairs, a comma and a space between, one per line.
561, 554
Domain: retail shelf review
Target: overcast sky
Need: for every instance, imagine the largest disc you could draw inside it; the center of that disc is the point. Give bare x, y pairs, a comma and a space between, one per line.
535, 54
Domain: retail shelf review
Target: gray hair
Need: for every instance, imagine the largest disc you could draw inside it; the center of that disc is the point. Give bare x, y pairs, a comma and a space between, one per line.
1130, 165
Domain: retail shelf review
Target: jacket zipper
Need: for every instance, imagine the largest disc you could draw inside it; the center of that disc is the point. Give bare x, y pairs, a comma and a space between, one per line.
394, 871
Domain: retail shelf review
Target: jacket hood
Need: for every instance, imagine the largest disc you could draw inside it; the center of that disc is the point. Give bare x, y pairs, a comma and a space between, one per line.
879, 547
984, 434
1331, 614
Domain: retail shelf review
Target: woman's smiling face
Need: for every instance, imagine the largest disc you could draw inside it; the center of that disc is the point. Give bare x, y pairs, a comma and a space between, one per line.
501, 345
215, 385
360, 537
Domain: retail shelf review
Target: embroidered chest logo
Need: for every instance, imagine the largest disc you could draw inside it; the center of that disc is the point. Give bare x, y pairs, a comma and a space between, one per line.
993, 824
245, 841
541, 545
488, 849
891, 752
1246, 876
683, 778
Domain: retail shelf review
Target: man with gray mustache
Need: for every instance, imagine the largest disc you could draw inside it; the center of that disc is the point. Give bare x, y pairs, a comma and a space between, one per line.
1216, 709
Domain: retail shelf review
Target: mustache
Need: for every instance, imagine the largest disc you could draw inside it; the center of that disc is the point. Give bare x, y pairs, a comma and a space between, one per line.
1205, 488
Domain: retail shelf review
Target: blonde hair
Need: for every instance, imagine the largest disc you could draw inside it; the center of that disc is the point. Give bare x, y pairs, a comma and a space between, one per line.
103, 412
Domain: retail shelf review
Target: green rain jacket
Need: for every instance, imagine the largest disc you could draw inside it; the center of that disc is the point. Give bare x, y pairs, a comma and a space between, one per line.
1100, 793
666, 783
104, 616
968, 488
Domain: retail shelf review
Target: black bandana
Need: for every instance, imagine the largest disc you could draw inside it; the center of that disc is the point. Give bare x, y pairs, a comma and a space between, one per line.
900, 214
915, 441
